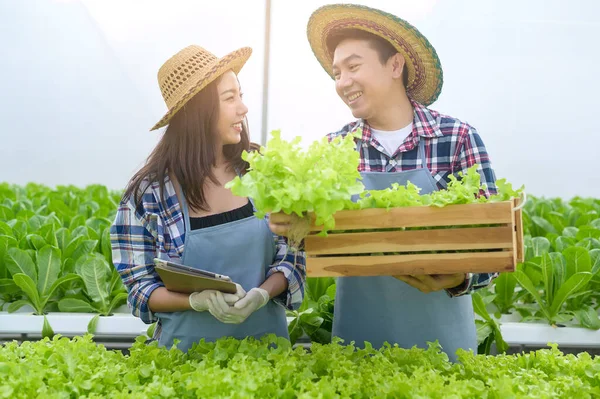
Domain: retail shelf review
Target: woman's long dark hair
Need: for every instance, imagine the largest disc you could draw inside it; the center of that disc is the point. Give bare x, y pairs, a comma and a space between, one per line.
187, 151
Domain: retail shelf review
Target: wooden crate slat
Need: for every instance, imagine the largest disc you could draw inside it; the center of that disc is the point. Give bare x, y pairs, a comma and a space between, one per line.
423, 216
495, 248
520, 246
500, 237
445, 263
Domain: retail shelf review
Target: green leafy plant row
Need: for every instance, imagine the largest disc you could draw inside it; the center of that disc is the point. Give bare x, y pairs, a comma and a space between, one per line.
559, 282
270, 368
55, 252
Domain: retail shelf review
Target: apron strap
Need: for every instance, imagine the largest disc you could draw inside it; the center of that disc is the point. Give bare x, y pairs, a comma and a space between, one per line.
252, 202
239, 174
421, 146
182, 203
359, 144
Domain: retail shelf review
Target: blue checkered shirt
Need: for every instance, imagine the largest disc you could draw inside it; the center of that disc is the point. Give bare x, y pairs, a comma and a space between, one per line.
140, 233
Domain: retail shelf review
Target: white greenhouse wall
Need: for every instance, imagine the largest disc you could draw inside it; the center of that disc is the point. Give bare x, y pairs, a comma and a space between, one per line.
80, 91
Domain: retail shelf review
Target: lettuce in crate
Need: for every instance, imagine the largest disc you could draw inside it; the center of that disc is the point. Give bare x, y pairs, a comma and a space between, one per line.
283, 177
464, 189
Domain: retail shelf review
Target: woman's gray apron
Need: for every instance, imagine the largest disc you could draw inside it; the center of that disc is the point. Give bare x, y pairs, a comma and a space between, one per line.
243, 250
382, 308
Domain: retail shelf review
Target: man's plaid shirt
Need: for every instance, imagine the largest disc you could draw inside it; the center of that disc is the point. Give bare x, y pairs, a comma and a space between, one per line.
451, 146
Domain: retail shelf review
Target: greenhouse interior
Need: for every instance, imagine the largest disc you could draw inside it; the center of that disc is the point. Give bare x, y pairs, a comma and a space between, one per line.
422, 224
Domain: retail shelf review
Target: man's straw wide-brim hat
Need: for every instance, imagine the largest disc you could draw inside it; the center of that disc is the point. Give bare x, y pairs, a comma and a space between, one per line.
425, 75
183, 75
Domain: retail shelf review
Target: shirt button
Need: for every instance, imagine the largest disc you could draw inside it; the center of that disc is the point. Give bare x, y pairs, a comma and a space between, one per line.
392, 162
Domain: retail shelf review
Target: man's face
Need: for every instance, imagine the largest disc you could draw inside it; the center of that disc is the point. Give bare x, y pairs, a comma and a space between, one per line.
361, 81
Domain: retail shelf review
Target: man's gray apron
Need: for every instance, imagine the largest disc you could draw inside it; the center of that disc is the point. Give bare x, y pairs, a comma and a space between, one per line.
380, 309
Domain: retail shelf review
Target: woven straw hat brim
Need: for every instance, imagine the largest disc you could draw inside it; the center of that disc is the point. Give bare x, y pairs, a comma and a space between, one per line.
232, 61
425, 76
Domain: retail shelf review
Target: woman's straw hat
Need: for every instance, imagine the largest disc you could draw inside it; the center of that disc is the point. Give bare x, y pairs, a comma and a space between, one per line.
425, 75
182, 76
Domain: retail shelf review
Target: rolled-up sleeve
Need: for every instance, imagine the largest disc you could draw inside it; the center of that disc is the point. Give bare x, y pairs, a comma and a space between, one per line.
133, 252
293, 266
472, 151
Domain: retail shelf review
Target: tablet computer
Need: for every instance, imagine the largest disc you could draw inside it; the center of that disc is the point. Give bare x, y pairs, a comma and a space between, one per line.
186, 279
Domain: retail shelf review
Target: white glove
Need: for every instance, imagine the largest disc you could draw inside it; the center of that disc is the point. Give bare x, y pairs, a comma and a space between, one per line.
255, 299
240, 292
200, 301
220, 308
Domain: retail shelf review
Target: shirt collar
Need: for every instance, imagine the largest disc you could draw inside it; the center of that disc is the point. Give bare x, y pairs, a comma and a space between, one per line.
425, 121
424, 124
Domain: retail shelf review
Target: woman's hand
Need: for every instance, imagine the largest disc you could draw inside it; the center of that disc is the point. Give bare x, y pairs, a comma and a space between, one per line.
255, 299
201, 301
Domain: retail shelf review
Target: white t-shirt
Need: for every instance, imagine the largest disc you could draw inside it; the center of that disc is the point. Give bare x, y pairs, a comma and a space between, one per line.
391, 140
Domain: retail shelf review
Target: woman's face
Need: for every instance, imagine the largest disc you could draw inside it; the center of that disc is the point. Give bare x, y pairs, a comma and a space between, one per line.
232, 110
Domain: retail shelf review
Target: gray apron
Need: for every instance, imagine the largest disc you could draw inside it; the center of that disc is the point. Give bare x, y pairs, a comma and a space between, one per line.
243, 250
383, 308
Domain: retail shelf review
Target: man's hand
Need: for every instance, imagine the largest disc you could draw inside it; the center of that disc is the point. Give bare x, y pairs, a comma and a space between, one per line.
433, 282
280, 223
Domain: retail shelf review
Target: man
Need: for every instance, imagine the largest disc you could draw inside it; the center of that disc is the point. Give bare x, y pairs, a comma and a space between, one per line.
387, 73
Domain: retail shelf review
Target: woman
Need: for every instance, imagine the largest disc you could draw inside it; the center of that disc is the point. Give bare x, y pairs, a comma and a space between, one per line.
176, 208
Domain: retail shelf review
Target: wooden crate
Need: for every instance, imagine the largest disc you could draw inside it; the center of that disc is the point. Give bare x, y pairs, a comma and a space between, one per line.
479, 249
